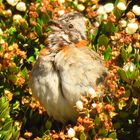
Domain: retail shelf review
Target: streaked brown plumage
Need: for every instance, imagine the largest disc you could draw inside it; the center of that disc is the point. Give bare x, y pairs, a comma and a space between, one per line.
66, 68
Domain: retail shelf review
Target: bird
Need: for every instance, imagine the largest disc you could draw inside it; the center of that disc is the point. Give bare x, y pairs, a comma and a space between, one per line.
66, 68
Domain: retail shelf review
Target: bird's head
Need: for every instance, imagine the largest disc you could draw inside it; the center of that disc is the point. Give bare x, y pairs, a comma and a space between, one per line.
73, 24
68, 29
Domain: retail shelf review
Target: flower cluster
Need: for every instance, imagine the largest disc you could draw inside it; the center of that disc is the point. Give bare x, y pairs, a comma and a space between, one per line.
20, 6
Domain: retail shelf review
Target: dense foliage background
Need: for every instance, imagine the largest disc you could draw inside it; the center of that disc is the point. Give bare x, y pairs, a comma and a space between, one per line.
113, 32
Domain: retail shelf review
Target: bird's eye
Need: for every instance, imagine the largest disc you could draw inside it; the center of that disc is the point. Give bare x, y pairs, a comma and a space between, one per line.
70, 26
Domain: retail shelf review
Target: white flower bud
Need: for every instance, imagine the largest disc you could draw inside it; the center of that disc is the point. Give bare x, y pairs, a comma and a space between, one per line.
92, 92
21, 6
82, 1
2, 41
97, 24
94, 7
61, 12
86, 19
12, 2
61, 1
136, 10
129, 66
17, 18
75, 138
126, 67
80, 7
101, 10
121, 6
94, 105
132, 67
9, 12
131, 28
75, 2
1, 32
71, 133
105, 16
79, 105
109, 7
123, 23
133, 20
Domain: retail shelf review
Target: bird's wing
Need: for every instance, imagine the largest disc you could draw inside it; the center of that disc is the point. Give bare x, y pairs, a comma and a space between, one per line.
79, 69
41, 68
46, 87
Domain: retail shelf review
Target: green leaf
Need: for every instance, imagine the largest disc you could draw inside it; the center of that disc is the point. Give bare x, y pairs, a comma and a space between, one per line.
113, 135
39, 21
7, 130
129, 49
123, 114
8, 124
24, 73
1, 48
36, 51
103, 40
93, 34
108, 27
50, 14
38, 29
45, 19
31, 59
4, 112
4, 107
107, 54
48, 125
83, 136
12, 78
124, 54
118, 13
130, 121
13, 69
47, 132
121, 104
24, 25
97, 120
15, 133
1, 1
2, 101
103, 132
117, 125
137, 83
123, 75
12, 30
42, 46
21, 36
93, 132
127, 93
134, 74
16, 105
6, 135
116, 2
48, 29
